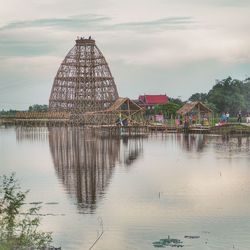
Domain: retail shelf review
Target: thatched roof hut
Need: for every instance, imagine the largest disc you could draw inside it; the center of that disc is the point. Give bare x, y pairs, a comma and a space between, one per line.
125, 105
198, 110
191, 106
122, 109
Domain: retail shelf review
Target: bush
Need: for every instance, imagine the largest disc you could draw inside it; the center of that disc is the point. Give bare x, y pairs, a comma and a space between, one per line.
19, 230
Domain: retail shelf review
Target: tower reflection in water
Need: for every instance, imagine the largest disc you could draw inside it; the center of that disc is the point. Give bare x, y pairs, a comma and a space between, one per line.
85, 163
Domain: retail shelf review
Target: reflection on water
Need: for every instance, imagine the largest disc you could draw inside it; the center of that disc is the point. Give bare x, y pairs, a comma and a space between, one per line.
199, 143
144, 189
85, 163
31, 134
190, 142
233, 144
132, 149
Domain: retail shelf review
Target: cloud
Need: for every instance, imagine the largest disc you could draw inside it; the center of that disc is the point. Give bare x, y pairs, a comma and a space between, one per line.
214, 3
145, 42
99, 23
38, 37
158, 24
226, 2
26, 80
27, 72
65, 23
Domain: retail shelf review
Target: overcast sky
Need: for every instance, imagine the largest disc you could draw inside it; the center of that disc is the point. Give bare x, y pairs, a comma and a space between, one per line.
177, 47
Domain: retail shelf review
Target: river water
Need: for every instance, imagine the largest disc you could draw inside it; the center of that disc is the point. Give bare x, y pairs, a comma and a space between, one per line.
132, 191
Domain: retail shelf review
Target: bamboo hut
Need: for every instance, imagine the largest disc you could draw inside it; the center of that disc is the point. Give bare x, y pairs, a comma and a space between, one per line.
197, 113
123, 112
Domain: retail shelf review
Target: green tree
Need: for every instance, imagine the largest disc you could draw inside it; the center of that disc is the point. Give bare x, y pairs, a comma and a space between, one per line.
38, 108
228, 95
177, 101
198, 97
167, 109
246, 93
10, 112
19, 230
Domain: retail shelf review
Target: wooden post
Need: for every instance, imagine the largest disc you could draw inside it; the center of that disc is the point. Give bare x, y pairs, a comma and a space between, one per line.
199, 113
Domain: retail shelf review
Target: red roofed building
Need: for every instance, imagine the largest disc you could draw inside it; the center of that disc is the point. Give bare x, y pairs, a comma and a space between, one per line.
149, 101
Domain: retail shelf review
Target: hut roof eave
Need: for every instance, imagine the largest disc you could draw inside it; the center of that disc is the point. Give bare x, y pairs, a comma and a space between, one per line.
116, 105
189, 106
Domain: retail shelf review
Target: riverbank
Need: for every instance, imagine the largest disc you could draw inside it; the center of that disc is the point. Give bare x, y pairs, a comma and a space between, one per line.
228, 128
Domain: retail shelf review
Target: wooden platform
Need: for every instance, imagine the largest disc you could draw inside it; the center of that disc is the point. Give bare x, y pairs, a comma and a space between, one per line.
229, 128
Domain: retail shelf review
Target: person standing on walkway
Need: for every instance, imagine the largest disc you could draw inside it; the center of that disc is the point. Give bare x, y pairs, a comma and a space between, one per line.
223, 118
239, 117
248, 118
227, 116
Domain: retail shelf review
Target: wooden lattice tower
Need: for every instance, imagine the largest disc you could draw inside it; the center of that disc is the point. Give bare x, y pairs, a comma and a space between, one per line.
83, 81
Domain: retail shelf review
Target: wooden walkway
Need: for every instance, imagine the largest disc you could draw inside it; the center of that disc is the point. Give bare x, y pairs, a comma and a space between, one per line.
229, 128
34, 122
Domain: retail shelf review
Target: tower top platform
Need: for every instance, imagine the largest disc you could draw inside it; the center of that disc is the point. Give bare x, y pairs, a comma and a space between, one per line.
85, 41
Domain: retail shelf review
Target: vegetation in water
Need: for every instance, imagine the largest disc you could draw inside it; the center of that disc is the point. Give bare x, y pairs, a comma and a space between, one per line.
18, 228
168, 242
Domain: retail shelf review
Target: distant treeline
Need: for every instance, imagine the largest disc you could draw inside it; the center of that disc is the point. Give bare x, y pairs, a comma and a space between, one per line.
33, 108
227, 95
10, 112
